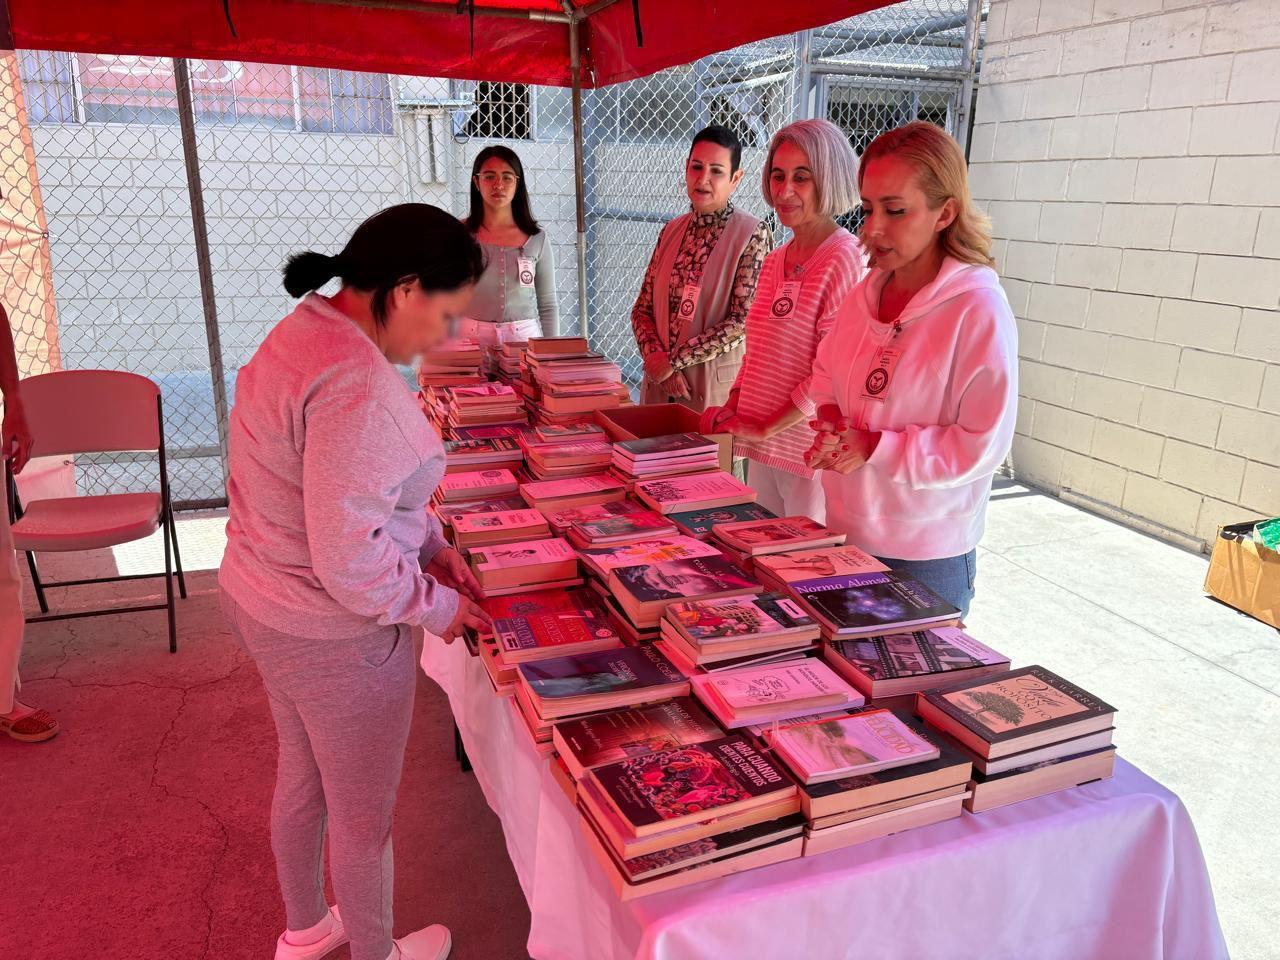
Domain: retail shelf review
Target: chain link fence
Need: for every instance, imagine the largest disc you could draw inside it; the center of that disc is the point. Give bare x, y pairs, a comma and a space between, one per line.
293, 158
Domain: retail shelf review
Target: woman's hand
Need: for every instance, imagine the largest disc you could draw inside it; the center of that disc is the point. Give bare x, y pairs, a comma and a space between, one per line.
839, 446
448, 567
657, 366
468, 615
677, 385
714, 419
16, 435
747, 429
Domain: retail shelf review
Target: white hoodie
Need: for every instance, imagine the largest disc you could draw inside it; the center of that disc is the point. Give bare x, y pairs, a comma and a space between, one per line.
945, 417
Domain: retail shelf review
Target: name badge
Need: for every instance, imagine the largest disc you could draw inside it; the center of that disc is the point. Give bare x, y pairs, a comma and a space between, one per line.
784, 300
689, 294
881, 373
525, 270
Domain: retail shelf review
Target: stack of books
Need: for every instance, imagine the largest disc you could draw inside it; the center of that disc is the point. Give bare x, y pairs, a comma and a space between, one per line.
482, 404
893, 668
871, 774
735, 631
601, 560
667, 456
556, 460
453, 363
476, 485
462, 456
569, 380
874, 603
699, 491
701, 523
644, 592
1028, 732
501, 526
592, 741
558, 688
525, 566
562, 520
553, 496
689, 813
541, 625
450, 512
504, 362
494, 431
748, 539
811, 569
573, 432
621, 528
767, 693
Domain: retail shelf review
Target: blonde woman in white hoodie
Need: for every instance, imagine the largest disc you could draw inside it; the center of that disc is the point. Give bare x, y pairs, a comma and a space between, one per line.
916, 382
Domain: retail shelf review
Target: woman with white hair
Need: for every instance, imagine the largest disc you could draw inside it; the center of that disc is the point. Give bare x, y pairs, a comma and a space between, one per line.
809, 180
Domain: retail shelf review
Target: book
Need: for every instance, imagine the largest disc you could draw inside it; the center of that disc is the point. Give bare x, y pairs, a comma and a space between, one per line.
899, 664
694, 787
778, 691
640, 524
875, 603
603, 680
450, 512
568, 432
476, 484
525, 563
1014, 711
583, 628
665, 447
562, 519
557, 346
601, 738
760, 537
487, 450
812, 569
603, 559
503, 526
848, 746
1053, 751
1049, 776
644, 591
700, 523
729, 620
485, 432
693, 660
699, 491
575, 492
923, 814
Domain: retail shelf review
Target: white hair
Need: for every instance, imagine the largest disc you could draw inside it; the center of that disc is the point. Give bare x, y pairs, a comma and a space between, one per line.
832, 162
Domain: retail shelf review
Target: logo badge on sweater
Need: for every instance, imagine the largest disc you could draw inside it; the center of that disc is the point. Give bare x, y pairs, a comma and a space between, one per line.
784, 301
881, 373
525, 270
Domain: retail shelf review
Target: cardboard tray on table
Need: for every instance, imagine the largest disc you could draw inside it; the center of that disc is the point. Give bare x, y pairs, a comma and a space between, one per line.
657, 420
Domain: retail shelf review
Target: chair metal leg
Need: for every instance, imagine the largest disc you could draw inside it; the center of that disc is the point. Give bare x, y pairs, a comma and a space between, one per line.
35, 580
168, 592
177, 554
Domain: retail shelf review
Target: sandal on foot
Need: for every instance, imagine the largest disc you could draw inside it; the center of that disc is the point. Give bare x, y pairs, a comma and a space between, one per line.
34, 727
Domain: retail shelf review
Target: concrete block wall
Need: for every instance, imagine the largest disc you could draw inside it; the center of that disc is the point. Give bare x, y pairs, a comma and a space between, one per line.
1128, 152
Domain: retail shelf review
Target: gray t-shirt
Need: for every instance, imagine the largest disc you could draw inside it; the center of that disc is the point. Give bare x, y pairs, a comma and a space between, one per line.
500, 297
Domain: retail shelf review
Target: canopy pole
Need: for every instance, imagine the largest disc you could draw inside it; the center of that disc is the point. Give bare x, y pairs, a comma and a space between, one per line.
803, 61
187, 121
579, 179
968, 66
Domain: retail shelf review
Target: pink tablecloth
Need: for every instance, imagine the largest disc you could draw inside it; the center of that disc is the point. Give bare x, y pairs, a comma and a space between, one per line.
1110, 871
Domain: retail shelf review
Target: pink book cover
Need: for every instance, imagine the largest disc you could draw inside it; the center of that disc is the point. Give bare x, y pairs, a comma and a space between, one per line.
778, 684
825, 562
477, 480
647, 552
505, 520
572, 487
698, 487
524, 554
482, 391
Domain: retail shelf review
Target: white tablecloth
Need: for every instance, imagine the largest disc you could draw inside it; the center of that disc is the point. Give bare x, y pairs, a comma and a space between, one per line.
1109, 871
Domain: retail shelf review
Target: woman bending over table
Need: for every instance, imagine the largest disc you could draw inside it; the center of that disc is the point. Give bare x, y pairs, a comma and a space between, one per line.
515, 299
331, 558
809, 181
916, 384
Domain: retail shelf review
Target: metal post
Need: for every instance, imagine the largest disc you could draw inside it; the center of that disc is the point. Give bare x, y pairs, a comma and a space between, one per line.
579, 179
187, 120
968, 66
804, 49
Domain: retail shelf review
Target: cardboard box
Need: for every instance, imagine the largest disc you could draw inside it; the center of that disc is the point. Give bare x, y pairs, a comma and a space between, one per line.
1245, 574
657, 420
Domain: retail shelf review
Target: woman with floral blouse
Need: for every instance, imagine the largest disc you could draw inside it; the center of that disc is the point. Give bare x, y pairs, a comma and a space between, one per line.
689, 319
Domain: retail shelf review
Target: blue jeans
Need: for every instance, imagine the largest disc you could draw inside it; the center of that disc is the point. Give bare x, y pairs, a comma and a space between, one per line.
951, 578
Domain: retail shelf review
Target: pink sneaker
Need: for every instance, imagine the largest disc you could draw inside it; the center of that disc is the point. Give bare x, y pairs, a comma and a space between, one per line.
330, 941
430, 943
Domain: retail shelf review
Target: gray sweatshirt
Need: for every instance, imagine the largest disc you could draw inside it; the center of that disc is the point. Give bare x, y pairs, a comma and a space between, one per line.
499, 297
332, 465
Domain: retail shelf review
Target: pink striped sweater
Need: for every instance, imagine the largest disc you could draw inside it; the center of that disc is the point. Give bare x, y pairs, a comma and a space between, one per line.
778, 364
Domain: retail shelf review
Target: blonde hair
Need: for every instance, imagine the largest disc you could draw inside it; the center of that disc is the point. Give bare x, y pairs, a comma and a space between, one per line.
832, 162
942, 175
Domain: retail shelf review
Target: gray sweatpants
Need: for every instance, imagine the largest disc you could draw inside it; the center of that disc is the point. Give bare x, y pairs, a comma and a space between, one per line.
342, 710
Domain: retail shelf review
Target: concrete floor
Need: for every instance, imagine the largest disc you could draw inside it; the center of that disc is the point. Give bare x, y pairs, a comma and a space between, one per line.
141, 831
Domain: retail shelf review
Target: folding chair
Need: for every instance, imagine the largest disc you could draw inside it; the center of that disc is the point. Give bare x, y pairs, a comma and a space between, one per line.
95, 411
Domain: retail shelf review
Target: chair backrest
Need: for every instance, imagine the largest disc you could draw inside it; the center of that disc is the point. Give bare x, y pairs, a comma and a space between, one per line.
91, 411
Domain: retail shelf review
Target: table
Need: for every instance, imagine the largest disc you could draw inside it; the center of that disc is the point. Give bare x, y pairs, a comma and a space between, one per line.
1108, 871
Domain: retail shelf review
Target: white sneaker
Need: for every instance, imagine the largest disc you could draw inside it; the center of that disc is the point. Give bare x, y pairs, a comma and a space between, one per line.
335, 938
430, 943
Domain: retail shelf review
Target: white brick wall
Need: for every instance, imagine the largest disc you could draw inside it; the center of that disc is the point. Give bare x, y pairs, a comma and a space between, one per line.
1128, 152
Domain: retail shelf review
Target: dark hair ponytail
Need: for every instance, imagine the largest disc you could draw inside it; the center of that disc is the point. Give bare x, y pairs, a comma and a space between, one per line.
521, 211
408, 241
